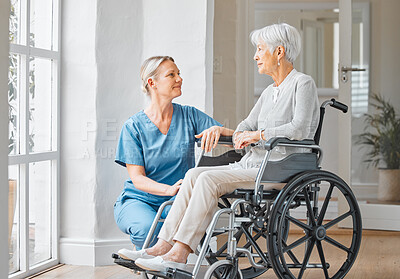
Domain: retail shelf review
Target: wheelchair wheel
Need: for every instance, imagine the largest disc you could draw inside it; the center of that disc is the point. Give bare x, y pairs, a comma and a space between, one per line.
335, 251
223, 270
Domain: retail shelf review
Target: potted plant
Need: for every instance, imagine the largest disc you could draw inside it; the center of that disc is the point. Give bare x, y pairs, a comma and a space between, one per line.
382, 137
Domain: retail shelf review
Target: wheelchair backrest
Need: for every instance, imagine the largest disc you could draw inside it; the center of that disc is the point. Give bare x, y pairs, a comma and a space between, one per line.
282, 171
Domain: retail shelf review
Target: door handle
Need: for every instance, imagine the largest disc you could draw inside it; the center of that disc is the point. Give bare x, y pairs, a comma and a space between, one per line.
344, 70
348, 69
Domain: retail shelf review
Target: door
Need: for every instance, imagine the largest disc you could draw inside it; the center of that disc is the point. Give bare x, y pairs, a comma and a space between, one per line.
354, 80
344, 133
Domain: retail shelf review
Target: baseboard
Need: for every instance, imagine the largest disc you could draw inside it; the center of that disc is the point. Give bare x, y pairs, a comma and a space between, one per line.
380, 216
90, 252
98, 253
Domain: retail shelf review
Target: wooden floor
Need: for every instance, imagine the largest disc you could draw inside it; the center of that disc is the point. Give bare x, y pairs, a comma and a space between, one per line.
379, 257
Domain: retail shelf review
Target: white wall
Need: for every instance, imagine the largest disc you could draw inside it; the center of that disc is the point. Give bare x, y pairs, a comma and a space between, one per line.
224, 82
119, 56
178, 28
103, 46
385, 45
78, 124
4, 15
101, 89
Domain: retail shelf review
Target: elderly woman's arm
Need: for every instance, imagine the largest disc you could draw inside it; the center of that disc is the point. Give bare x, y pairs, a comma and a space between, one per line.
145, 184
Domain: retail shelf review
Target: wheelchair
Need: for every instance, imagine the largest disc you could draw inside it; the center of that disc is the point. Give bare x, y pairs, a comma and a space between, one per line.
278, 229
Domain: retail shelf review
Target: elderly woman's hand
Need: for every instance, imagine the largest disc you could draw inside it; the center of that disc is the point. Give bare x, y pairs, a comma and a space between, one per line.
210, 138
243, 139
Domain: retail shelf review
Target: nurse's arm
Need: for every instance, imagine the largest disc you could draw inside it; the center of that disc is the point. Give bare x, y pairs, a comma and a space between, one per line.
145, 184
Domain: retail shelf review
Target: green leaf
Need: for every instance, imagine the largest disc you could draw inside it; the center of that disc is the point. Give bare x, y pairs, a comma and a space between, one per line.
383, 141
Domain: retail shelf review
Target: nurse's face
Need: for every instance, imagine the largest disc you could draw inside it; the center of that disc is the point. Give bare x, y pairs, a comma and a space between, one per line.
168, 82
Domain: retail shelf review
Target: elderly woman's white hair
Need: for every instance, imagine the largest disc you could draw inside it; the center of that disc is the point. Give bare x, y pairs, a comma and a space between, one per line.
281, 34
149, 69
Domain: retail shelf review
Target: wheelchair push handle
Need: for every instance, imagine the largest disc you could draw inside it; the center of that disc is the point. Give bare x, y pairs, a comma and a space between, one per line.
338, 105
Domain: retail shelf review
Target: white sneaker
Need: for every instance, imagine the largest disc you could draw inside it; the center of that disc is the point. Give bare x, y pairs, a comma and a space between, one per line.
134, 255
158, 264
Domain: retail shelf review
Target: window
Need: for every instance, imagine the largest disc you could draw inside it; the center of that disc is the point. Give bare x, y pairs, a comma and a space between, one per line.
33, 95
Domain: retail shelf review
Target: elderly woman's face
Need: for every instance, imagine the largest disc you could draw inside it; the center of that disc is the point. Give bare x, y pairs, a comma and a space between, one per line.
266, 61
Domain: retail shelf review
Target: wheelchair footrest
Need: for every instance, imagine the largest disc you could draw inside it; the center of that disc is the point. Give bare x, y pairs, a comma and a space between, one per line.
126, 263
172, 273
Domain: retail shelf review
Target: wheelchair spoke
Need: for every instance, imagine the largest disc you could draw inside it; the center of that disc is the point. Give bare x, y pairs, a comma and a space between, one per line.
325, 205
296, 243
322, 257
225, 273
255, 238
306, 258
309, 207
290, 253
338, 219
337, 244
298, 223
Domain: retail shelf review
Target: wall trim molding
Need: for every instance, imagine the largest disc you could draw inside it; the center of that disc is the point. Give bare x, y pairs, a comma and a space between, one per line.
380, 216
90, 252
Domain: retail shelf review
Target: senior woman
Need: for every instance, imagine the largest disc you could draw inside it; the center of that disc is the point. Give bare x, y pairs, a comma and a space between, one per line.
156, 146
288, 108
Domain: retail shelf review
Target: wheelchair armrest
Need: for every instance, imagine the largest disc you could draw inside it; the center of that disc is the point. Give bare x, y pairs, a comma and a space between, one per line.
270, 144
227, 140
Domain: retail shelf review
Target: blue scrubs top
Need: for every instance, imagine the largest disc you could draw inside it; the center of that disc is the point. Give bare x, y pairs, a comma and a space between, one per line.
165, 158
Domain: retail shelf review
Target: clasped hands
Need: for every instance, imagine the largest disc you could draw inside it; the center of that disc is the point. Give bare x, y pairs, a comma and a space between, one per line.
245, 138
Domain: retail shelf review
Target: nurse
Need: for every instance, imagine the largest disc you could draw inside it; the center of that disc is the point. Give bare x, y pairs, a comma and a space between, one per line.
156, 146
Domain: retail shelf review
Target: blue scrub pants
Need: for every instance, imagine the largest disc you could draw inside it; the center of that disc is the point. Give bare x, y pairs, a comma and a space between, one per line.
134, 217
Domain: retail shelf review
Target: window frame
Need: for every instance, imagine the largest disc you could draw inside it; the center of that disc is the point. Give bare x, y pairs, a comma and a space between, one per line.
25, 51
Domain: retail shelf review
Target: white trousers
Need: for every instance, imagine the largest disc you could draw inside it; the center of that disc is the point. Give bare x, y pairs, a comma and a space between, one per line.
197, 201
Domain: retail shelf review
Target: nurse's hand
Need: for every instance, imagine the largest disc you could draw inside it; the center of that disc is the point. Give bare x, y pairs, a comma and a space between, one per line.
173, 189
210, 138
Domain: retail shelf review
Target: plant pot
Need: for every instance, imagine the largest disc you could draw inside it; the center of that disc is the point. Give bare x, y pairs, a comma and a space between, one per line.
12, 199
389, 185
